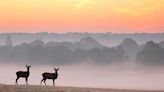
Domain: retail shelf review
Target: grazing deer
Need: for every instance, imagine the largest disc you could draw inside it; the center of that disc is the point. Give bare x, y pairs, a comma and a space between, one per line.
52, 76
23, 74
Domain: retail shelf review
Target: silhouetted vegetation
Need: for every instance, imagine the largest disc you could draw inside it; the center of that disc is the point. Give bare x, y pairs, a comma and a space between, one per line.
85, 50
38, 52
151, 54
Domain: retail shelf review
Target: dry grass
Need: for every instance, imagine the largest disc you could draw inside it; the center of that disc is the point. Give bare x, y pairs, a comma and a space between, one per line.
13, 88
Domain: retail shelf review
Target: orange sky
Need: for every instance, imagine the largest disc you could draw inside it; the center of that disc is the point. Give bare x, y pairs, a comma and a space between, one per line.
82, 15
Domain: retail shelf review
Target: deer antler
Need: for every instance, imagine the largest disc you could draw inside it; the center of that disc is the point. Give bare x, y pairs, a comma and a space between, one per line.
56, 67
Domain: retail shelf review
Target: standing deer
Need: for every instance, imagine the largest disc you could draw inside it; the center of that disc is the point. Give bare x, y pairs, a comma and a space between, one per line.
23, 74
52, 76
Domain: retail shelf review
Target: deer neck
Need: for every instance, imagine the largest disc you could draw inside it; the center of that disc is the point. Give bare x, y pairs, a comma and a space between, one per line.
56, 72
28, 70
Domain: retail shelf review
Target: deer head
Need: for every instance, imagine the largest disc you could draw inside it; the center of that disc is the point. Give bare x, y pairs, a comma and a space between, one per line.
56, 69
28, 66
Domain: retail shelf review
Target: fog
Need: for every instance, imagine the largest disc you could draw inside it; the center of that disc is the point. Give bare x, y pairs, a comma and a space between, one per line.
90, 75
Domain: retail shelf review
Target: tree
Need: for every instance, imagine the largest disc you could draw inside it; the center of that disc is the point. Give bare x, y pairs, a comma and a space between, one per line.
8, 41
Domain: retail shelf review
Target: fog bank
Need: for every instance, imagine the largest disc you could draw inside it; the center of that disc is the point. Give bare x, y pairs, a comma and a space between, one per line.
89, 75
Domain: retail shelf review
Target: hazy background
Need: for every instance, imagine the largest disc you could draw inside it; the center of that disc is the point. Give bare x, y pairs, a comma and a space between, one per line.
108, 39
127, 61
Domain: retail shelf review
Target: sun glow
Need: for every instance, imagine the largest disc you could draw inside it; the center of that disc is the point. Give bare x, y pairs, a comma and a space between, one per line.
94, 14
83, 3
136, 8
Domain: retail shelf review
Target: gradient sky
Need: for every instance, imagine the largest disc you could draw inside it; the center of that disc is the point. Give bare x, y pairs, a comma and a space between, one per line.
82, 15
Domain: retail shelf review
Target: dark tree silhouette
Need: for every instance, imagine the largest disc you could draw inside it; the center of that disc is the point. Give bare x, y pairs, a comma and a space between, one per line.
151, 54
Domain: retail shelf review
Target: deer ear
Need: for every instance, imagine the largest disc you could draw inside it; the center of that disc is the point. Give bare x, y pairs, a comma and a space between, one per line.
26, 65
54, 67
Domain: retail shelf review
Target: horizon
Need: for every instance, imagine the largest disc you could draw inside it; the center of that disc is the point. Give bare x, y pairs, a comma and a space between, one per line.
85, 32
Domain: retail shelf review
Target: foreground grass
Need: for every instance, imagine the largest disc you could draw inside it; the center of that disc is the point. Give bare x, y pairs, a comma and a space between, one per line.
32, 88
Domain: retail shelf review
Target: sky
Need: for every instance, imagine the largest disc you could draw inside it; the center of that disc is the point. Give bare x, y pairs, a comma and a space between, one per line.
118, 16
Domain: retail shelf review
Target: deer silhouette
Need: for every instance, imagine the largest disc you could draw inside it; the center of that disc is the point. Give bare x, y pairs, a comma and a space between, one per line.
23, 74
52, 76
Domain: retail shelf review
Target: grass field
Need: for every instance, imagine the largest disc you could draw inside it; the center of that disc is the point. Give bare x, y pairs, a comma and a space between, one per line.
37, 88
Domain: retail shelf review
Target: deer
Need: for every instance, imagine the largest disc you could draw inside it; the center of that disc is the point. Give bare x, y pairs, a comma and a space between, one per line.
23, 74
52, 76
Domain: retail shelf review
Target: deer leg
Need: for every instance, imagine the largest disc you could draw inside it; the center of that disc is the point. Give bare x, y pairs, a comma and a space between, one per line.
53, 82
16, 81
41, 81
26, 80
45, 81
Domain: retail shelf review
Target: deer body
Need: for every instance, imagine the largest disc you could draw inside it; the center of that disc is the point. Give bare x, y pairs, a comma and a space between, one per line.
23, 74
52, 76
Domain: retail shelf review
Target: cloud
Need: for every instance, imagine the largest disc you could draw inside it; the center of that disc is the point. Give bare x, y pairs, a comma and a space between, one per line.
136, 11
138, 8
82, 3
127, 11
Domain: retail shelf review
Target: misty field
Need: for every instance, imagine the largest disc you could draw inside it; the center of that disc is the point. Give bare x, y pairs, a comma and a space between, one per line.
13, 88
96, 61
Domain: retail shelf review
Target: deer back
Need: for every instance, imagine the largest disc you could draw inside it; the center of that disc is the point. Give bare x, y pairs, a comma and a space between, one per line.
49, 75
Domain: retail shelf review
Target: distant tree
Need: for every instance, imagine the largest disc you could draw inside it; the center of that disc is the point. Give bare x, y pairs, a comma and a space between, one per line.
8, 41
107, 55
130, 47
37, 42
151, 54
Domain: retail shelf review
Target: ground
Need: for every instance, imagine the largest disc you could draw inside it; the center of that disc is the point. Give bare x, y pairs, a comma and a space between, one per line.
38, 88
